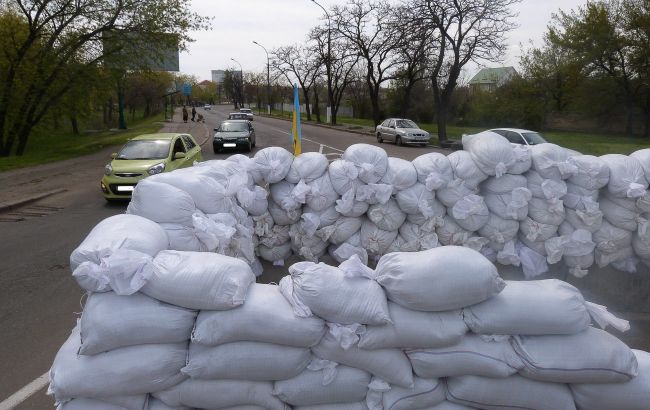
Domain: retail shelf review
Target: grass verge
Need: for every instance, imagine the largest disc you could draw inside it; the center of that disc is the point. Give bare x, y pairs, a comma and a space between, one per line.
44, 147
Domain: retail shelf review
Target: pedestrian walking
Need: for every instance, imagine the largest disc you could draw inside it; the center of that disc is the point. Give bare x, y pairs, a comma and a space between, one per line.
193, 113
184, 114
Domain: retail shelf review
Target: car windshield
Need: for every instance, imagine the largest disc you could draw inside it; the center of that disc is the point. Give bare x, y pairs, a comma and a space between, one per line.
246, 110
533, 138
406, 124
144, 149
233, 127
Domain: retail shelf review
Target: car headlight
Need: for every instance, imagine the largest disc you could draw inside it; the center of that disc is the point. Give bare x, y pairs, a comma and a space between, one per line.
108, 169
156, 169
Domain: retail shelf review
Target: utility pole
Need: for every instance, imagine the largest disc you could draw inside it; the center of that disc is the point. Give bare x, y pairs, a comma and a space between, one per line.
328, 63
268, 78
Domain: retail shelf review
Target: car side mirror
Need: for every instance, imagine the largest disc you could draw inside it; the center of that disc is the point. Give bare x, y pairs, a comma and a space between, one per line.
179, 155
216, 130
114, 155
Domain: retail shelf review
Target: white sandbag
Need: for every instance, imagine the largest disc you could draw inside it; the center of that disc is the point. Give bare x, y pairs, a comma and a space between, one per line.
309, 247
127, 371
537, 246
578, 251
414, 329
550, 161
232, 175
643, 156
376, 241
590, 172
523, 160
282, 217
352, 246
578, 197
422, 240
247, 164
400, 174
447, 405
465, 169
321, 193
254, 201
307, 167
540, 307
499, 231
155, 404
641, 245
348, 205
84, 404
326, 217
619, 216
533, 263
454, 191
341, 230
545, 211
630, 395
390, 365
287, 195
388, 217
416, 199
210, 394
374, 193
249, 322
504, 185
626, 176
512, 205
361, 405
209, 196
491, 152
273, 163
199, 280
591, 356
371, 161
514, 392
590, 220
471, 213
110, 321
443, 278
327, 292
424, 394
433, 170
113, 247
276, 254
320, 385
183, 238
246, 361
402, 245
541, 187
161, 202
428, 224
536, 231
344, 176
450, 233
278, 235
471, 356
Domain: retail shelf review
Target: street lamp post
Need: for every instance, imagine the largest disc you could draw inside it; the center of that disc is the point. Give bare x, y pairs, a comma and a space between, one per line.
328, 62
268, 78
241, 79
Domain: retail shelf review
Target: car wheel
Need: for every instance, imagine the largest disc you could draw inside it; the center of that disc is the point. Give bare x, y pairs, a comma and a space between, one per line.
254, 142
216, 150
249, 146
398, 141
379, 138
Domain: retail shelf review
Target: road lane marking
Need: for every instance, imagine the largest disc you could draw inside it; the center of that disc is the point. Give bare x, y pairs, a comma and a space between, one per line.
306, 139
26, 392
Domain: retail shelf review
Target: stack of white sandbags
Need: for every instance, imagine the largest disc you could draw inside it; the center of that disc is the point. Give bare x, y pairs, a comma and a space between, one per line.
641, 238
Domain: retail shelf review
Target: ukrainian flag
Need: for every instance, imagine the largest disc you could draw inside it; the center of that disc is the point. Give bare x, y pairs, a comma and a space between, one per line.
296, 133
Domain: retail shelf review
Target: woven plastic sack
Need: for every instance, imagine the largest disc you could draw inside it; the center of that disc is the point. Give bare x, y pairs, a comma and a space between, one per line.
471, 213
282, 217
543, 188
232, 175
390, 365
514, 392
84, 404
620, 216
546, 212
465, 169
591, 356
246, 361
577, 196
155, 404
344, 176
437, 279
471, 356
591, 172
626, 176
321, 193
450, 233
499, 231
388, 217
273, 163
221, 394
323, 382
416, 199
309, 247
447, 405
127, 371
631, 395
110, 321
523, 160
424, 394
400, 174
347, 205
375, 240
414, 329
371, 161
503, 185
374, 193
307, 167
512, 205
550, 161
276, 254
433, 170
254, 201
641, 246
454, 191
361, 405
161, 202
422, 240
264, 304
327, 292
209, 196
341, 230
590, 220
199, 280
288, 196
350, 247
491, 152
182, 238
312, 220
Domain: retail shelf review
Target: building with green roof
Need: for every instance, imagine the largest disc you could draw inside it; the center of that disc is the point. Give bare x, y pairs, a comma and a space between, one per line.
489, 79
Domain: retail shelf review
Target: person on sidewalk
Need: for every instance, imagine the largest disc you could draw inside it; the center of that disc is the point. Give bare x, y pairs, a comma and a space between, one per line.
193, 113
184, 114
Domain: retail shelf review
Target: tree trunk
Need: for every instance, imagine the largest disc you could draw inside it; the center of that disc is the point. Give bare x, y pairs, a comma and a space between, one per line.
74, 124
316, 107
406, 101
628, 119
121, 122
305, 93
374, 99
441, 114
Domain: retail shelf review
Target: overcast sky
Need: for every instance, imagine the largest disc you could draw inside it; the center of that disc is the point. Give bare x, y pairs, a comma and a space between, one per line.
275, 23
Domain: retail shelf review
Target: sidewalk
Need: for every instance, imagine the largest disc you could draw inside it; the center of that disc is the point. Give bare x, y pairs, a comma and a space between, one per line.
25, 185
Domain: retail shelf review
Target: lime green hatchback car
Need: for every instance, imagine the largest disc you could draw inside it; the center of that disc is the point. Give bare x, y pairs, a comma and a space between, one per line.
146, 155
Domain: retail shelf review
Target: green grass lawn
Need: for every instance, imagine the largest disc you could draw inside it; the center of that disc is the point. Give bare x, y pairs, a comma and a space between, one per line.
43, 147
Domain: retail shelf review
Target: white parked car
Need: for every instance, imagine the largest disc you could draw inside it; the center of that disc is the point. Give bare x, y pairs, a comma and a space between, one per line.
248, 112
401, 131
519, 136
207, 107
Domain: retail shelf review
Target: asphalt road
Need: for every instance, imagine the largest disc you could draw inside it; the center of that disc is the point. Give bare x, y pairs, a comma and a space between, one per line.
39, 300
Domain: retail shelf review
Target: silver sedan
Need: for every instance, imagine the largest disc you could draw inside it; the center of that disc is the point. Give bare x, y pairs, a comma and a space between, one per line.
401, 131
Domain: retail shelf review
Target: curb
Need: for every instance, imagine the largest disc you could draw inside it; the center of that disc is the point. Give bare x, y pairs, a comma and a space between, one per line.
15, 204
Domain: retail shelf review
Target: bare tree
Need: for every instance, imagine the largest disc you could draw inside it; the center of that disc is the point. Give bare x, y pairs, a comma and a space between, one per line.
374, 34
465, 30
301, 62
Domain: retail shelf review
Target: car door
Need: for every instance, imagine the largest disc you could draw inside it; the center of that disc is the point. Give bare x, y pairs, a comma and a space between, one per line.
178, 146
251, 132
381, 128
193, 150
391, 131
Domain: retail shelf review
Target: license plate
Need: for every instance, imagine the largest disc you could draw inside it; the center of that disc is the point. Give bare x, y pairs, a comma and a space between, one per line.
125, 189
230, 145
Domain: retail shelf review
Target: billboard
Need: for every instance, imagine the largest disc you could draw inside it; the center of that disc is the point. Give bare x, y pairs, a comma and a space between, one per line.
141, 51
